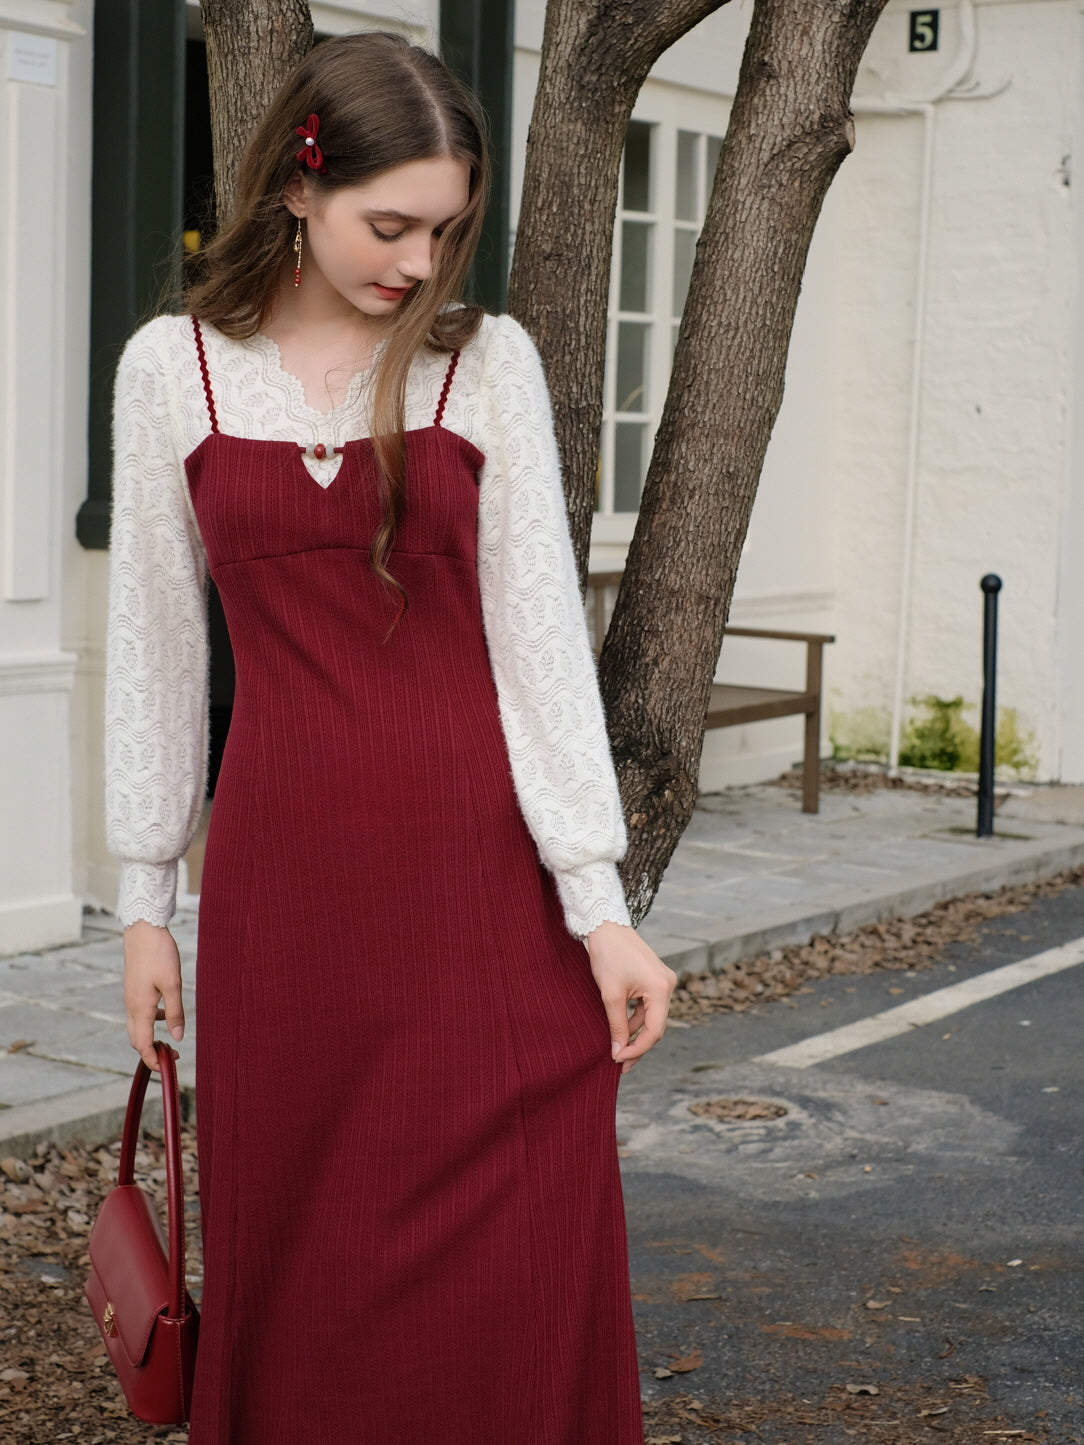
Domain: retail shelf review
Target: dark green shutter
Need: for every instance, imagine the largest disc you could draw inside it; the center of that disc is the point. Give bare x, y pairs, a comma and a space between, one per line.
136, 198
476, 38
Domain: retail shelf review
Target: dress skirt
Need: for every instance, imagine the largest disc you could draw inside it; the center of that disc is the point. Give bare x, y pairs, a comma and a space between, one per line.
413, 1225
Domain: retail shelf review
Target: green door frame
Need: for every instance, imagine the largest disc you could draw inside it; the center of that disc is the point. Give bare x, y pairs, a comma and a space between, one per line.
477, 40
136, 206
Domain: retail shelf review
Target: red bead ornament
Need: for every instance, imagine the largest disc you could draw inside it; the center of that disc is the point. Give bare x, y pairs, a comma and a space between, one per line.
320, 451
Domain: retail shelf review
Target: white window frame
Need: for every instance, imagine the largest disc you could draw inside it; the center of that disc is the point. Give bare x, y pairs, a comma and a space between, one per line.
668, 110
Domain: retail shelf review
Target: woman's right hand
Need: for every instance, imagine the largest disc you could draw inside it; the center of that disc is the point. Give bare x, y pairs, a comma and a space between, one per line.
152, 986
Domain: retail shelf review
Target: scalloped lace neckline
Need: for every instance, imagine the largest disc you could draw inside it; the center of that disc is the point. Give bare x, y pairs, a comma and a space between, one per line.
275, 374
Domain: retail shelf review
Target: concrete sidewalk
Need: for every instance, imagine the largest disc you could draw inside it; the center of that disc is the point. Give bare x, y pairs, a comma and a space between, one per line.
752, 872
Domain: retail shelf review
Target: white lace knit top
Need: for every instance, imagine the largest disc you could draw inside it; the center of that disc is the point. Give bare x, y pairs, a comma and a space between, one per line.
157, 650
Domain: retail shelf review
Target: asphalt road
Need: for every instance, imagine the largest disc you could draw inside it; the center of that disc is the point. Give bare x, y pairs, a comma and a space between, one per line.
912, 1220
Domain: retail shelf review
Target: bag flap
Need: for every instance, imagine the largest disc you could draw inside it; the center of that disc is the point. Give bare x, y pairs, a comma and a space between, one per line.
129, 1255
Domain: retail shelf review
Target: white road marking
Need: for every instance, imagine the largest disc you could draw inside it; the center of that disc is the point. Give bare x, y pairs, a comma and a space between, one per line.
926, 1010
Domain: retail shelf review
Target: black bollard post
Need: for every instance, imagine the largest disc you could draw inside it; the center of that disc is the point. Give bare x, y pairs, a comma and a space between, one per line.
991, 586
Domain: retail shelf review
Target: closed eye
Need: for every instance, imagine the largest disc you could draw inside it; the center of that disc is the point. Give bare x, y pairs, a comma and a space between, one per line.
384, 235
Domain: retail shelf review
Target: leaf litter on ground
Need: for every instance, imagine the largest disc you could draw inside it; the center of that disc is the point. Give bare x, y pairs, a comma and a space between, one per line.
901, 944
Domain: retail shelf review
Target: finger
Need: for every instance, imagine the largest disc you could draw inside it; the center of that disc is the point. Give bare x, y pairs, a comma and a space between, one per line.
651, 1031
617, 1015
141, 1036
173, 1009
637, 1019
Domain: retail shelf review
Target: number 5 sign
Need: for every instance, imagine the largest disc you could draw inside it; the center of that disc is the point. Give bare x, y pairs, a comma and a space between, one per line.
924, 27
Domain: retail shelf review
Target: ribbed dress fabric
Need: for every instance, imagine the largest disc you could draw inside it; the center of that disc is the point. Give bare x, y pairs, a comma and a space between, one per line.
412, 1214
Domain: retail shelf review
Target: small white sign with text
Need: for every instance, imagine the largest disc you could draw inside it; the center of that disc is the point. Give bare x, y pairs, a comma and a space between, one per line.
32, 58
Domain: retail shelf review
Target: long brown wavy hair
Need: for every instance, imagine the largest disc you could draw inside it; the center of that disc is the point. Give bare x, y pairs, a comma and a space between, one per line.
382, 102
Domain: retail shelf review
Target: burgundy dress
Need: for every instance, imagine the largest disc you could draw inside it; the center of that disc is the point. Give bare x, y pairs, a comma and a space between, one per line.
412, 1213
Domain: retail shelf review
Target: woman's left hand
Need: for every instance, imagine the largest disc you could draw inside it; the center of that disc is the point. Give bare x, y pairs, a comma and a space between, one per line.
627, 970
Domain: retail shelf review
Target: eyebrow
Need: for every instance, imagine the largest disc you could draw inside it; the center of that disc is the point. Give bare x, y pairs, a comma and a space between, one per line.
386, 215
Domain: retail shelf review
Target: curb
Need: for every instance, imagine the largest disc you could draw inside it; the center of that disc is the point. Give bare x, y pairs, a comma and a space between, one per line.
93, 1116
96, 1115
854, 908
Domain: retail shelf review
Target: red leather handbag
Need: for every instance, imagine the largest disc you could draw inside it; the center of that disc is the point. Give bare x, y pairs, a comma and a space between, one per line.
136, 1288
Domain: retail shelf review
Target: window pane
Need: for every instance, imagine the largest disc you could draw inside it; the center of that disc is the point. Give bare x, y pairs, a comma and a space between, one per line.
636, 193
633, 345
684, 251
685, 177
711, 160
634, 293
629, 438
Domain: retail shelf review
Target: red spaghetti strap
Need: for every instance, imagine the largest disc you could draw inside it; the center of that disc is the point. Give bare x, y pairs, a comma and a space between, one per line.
446, 388
205, 374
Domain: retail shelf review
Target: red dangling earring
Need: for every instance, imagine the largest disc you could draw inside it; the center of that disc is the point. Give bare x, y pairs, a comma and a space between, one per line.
297, 253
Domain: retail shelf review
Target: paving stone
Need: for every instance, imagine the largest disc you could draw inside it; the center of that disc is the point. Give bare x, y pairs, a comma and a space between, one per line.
25, 1079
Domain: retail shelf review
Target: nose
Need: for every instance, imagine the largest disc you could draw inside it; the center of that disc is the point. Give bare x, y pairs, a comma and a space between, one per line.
416, 259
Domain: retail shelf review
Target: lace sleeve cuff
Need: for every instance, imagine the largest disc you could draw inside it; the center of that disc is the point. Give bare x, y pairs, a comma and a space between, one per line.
590, 895
147, 891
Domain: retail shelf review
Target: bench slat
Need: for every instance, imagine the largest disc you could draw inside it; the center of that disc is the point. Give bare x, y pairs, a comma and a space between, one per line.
782, 636
731, 705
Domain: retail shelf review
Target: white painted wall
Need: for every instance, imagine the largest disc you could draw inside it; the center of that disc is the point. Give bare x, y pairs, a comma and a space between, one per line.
996, 372
1070, 602
43, 56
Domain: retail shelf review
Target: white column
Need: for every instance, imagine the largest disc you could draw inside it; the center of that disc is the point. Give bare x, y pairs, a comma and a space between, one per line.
38, 904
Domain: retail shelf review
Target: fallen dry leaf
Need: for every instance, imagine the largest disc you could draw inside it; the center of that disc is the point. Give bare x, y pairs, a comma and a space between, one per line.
878, 1304
692, 1361
862, 1389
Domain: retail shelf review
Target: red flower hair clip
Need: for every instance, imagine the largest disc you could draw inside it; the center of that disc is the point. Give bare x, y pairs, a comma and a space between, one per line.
311, 154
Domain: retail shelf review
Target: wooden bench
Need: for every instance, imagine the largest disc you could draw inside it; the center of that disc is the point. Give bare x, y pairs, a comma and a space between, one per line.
732, 705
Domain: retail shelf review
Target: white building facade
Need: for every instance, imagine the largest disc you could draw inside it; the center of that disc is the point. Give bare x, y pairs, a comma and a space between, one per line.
932, 429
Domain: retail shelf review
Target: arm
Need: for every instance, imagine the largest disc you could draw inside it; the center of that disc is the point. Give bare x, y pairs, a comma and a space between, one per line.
156, 674
547, 689
538, 645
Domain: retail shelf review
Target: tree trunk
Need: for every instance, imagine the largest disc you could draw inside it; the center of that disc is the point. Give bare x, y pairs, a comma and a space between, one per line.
252, 45
595, 58
790, 129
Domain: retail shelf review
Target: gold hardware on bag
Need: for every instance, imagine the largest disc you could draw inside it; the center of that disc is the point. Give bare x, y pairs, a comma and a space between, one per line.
109, 1323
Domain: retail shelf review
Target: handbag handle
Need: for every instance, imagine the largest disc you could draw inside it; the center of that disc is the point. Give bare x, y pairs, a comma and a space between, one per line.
171, 1114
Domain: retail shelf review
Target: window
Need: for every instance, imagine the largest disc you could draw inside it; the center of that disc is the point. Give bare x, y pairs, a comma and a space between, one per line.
666, 179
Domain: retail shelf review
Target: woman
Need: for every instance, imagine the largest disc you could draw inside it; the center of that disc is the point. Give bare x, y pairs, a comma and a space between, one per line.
407, 1059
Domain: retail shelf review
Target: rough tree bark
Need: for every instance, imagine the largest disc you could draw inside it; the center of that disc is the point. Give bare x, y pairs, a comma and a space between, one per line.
252, 45
790, 129
596, 55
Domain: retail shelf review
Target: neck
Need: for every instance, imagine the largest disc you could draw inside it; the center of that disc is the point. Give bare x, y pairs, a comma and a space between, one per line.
315, 312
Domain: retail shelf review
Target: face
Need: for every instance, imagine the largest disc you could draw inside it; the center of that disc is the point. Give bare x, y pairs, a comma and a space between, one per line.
371, 244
